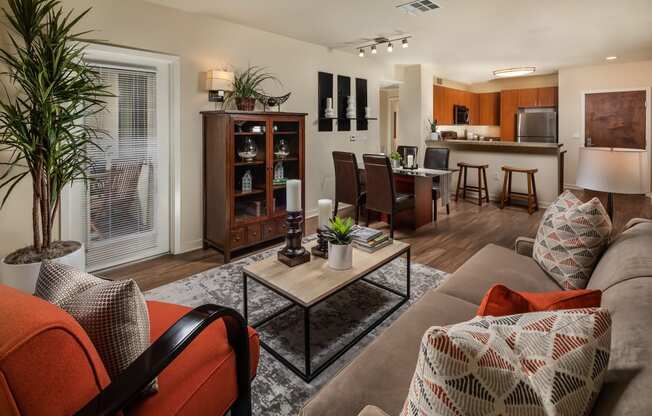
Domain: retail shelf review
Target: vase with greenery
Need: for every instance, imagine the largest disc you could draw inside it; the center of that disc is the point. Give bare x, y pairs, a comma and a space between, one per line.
247, 85
432, 125
396, 158
339, 234
43, 137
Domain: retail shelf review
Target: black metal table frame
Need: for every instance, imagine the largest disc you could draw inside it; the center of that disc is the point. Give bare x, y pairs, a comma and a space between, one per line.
308, 374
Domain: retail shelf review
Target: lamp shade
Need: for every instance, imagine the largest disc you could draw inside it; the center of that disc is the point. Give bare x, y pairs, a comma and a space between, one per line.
619, 171
219, 80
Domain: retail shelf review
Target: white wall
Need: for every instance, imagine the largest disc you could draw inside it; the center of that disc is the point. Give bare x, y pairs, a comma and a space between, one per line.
573, 82
415, 95
204, 43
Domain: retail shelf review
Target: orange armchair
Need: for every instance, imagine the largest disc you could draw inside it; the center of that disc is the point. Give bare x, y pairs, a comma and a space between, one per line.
204, 360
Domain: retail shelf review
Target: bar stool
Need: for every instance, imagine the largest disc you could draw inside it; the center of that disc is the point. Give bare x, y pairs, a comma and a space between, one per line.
482, 176
530, 196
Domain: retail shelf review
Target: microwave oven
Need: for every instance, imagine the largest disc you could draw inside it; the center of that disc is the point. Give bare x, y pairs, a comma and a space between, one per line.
460, 114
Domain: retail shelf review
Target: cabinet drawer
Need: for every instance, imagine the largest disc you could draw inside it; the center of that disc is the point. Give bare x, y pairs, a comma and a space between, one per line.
281, 227
269, 229
253, 233
238, 237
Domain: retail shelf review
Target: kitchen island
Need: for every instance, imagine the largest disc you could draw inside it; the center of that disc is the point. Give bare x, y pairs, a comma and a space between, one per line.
548, 158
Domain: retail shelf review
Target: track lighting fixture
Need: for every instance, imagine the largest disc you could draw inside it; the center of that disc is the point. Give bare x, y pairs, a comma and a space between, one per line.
373, 47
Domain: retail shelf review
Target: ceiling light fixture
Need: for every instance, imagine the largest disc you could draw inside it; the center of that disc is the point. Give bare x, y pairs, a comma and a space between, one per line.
514, 72
373, 47
611, 58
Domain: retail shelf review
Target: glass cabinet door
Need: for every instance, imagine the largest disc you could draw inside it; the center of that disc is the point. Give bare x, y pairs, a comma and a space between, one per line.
250, 179
285, 160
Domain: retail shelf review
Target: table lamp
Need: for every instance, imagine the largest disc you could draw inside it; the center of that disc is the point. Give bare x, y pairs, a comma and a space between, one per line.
612, 170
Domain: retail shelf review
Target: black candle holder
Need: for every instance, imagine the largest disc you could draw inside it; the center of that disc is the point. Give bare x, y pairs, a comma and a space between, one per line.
293, 253
321, 249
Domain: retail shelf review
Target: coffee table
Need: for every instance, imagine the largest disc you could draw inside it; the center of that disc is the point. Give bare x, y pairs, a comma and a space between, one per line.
309, 284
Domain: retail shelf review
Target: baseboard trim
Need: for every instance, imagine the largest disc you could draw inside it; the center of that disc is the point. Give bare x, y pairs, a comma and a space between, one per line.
191, 245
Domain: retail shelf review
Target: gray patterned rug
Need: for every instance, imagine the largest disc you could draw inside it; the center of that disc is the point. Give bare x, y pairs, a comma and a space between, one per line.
276, 390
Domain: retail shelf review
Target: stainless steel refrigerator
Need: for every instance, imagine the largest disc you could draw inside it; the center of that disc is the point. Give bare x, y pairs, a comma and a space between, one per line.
537, 125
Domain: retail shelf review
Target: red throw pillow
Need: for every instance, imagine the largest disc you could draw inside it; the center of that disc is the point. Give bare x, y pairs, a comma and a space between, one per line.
501, 301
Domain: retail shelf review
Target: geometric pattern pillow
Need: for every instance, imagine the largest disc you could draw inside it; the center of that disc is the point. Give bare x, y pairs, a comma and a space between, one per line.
113, 313
569, 243
564, 201
542, 363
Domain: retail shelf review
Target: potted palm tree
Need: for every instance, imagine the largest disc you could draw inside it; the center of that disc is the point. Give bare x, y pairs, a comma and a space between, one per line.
247, 85
339, 234
43, 137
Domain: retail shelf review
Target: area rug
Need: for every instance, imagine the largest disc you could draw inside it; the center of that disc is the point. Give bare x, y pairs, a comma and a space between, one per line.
276, 390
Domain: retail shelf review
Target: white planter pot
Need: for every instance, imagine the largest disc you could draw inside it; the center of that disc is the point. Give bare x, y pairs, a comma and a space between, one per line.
23, 276
396, 164
434, 136
340, 256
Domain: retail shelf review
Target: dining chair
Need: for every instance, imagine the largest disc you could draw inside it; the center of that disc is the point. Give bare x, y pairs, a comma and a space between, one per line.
437, 158
381, 194
348, 188
408, 150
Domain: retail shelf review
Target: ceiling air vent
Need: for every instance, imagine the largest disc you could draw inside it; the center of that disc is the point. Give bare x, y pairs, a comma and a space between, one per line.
415, 7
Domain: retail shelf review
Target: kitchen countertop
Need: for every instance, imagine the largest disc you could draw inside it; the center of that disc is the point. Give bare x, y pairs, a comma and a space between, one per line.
512, 147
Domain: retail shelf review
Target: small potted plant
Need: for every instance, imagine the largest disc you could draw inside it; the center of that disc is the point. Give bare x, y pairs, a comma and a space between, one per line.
396, 158
339, 234
247, 86
432, 124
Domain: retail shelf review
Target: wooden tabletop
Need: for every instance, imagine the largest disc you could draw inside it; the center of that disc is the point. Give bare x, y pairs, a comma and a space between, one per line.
311, 282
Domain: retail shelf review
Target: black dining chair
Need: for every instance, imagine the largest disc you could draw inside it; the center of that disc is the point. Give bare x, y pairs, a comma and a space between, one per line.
437, 158
348, 188
381, 195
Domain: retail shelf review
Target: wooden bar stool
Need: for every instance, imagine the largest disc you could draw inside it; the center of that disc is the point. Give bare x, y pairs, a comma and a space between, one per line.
530, 196
482, 176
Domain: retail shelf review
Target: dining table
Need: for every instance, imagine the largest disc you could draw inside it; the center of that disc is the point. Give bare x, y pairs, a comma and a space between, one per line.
419, 182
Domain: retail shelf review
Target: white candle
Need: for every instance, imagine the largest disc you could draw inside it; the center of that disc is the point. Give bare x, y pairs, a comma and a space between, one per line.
410, 159
293, 203
325, 212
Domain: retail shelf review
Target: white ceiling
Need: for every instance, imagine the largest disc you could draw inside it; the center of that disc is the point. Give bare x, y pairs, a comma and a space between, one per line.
465, 39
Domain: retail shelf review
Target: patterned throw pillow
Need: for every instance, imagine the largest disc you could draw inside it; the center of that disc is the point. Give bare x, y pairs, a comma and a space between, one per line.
113, 313
569, 243
543, 363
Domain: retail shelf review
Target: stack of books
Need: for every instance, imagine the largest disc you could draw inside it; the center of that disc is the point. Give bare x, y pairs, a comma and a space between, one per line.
369, 240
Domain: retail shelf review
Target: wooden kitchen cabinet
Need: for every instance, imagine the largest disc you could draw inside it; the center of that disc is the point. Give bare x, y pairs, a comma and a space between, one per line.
489, 109
528, 97
444, 99
547, 97
509, 102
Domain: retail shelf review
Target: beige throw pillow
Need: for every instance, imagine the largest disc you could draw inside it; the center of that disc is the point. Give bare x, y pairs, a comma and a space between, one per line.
113, 313
542, 363
570, 241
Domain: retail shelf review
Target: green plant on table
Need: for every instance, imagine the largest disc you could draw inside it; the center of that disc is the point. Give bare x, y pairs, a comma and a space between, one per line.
339, 231
395, 156
433, 125
42, 129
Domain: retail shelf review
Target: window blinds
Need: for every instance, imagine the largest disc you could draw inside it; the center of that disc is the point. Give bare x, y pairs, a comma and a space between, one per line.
122, 196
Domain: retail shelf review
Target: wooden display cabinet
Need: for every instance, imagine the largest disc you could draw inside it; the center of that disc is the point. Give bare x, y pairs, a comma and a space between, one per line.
233, 219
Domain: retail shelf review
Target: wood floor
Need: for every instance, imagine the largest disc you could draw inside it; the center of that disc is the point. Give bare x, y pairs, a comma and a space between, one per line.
444, 245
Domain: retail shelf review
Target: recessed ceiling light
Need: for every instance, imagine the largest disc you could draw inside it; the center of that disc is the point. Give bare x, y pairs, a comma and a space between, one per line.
514, 72
611, 58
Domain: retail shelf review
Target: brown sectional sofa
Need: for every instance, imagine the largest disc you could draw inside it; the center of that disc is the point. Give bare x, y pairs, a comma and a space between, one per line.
377, 381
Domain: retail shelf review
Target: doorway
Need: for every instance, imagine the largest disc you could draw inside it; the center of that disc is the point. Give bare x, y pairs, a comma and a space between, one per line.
389, 118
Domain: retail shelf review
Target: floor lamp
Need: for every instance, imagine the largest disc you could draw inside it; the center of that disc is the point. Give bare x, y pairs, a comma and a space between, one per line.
612, 170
